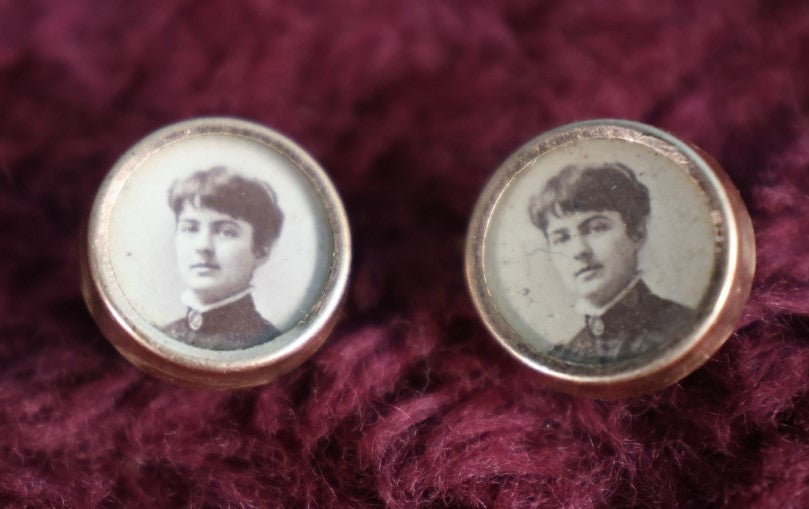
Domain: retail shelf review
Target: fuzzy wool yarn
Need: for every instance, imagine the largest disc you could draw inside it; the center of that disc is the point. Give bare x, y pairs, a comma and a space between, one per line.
410, 106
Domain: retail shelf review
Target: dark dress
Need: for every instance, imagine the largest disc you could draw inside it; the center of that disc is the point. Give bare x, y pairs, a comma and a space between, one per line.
638, 323
233, 326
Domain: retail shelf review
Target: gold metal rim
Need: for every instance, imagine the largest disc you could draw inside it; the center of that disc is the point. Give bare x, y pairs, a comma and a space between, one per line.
732, 285
104, 299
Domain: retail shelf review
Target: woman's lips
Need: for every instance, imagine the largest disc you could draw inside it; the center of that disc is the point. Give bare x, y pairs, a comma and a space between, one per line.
588, 271
204, 266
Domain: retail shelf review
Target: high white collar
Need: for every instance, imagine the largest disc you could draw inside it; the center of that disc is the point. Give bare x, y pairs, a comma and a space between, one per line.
585, 307
191, 300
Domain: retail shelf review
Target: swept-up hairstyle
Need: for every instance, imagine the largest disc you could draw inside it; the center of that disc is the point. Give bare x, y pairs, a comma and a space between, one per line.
611, 186
223, 190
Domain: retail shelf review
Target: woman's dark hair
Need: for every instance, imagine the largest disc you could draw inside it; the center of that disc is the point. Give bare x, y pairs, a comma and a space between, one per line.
225, 191
611, 186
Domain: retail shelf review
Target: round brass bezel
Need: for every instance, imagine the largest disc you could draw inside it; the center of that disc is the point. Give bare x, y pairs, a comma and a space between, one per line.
735, 252
110, 309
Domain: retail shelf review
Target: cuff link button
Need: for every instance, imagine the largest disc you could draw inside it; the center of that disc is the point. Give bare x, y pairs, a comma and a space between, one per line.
216, 254
610, 257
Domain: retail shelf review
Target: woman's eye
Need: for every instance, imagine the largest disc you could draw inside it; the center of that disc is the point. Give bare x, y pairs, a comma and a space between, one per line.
559, 238
599, 226
229, 232
187, 228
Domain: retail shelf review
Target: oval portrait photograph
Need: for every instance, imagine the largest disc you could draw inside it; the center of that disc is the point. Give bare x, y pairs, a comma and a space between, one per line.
218, 252
603, 254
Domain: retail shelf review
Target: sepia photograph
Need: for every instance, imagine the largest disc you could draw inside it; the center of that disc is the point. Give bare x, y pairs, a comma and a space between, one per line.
226, 225
219, 244
594, 220
601, 253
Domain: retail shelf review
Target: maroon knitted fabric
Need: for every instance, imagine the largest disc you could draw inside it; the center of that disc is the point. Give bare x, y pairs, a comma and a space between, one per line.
410, 105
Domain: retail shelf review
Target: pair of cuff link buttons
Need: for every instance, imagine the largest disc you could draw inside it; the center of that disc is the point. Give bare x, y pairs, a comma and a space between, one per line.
607, 255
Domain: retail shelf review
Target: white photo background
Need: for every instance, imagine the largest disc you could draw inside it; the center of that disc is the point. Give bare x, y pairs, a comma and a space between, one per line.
676, 262
142, 229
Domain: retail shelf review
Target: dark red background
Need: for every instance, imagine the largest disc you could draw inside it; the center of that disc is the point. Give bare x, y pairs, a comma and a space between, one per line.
410, 105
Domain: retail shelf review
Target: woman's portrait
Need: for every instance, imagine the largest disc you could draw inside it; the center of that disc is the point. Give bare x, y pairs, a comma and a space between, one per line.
600, 254
222, 247
226, 225
594, 221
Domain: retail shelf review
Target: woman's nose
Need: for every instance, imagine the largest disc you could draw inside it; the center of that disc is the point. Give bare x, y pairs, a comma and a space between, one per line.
580, 247
203, 242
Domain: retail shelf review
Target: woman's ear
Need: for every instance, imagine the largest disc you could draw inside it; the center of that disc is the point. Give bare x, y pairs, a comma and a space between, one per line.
639, 235
262, 254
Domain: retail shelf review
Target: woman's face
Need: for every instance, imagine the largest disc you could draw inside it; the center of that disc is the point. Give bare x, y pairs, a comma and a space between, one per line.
214, 252
593, 253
